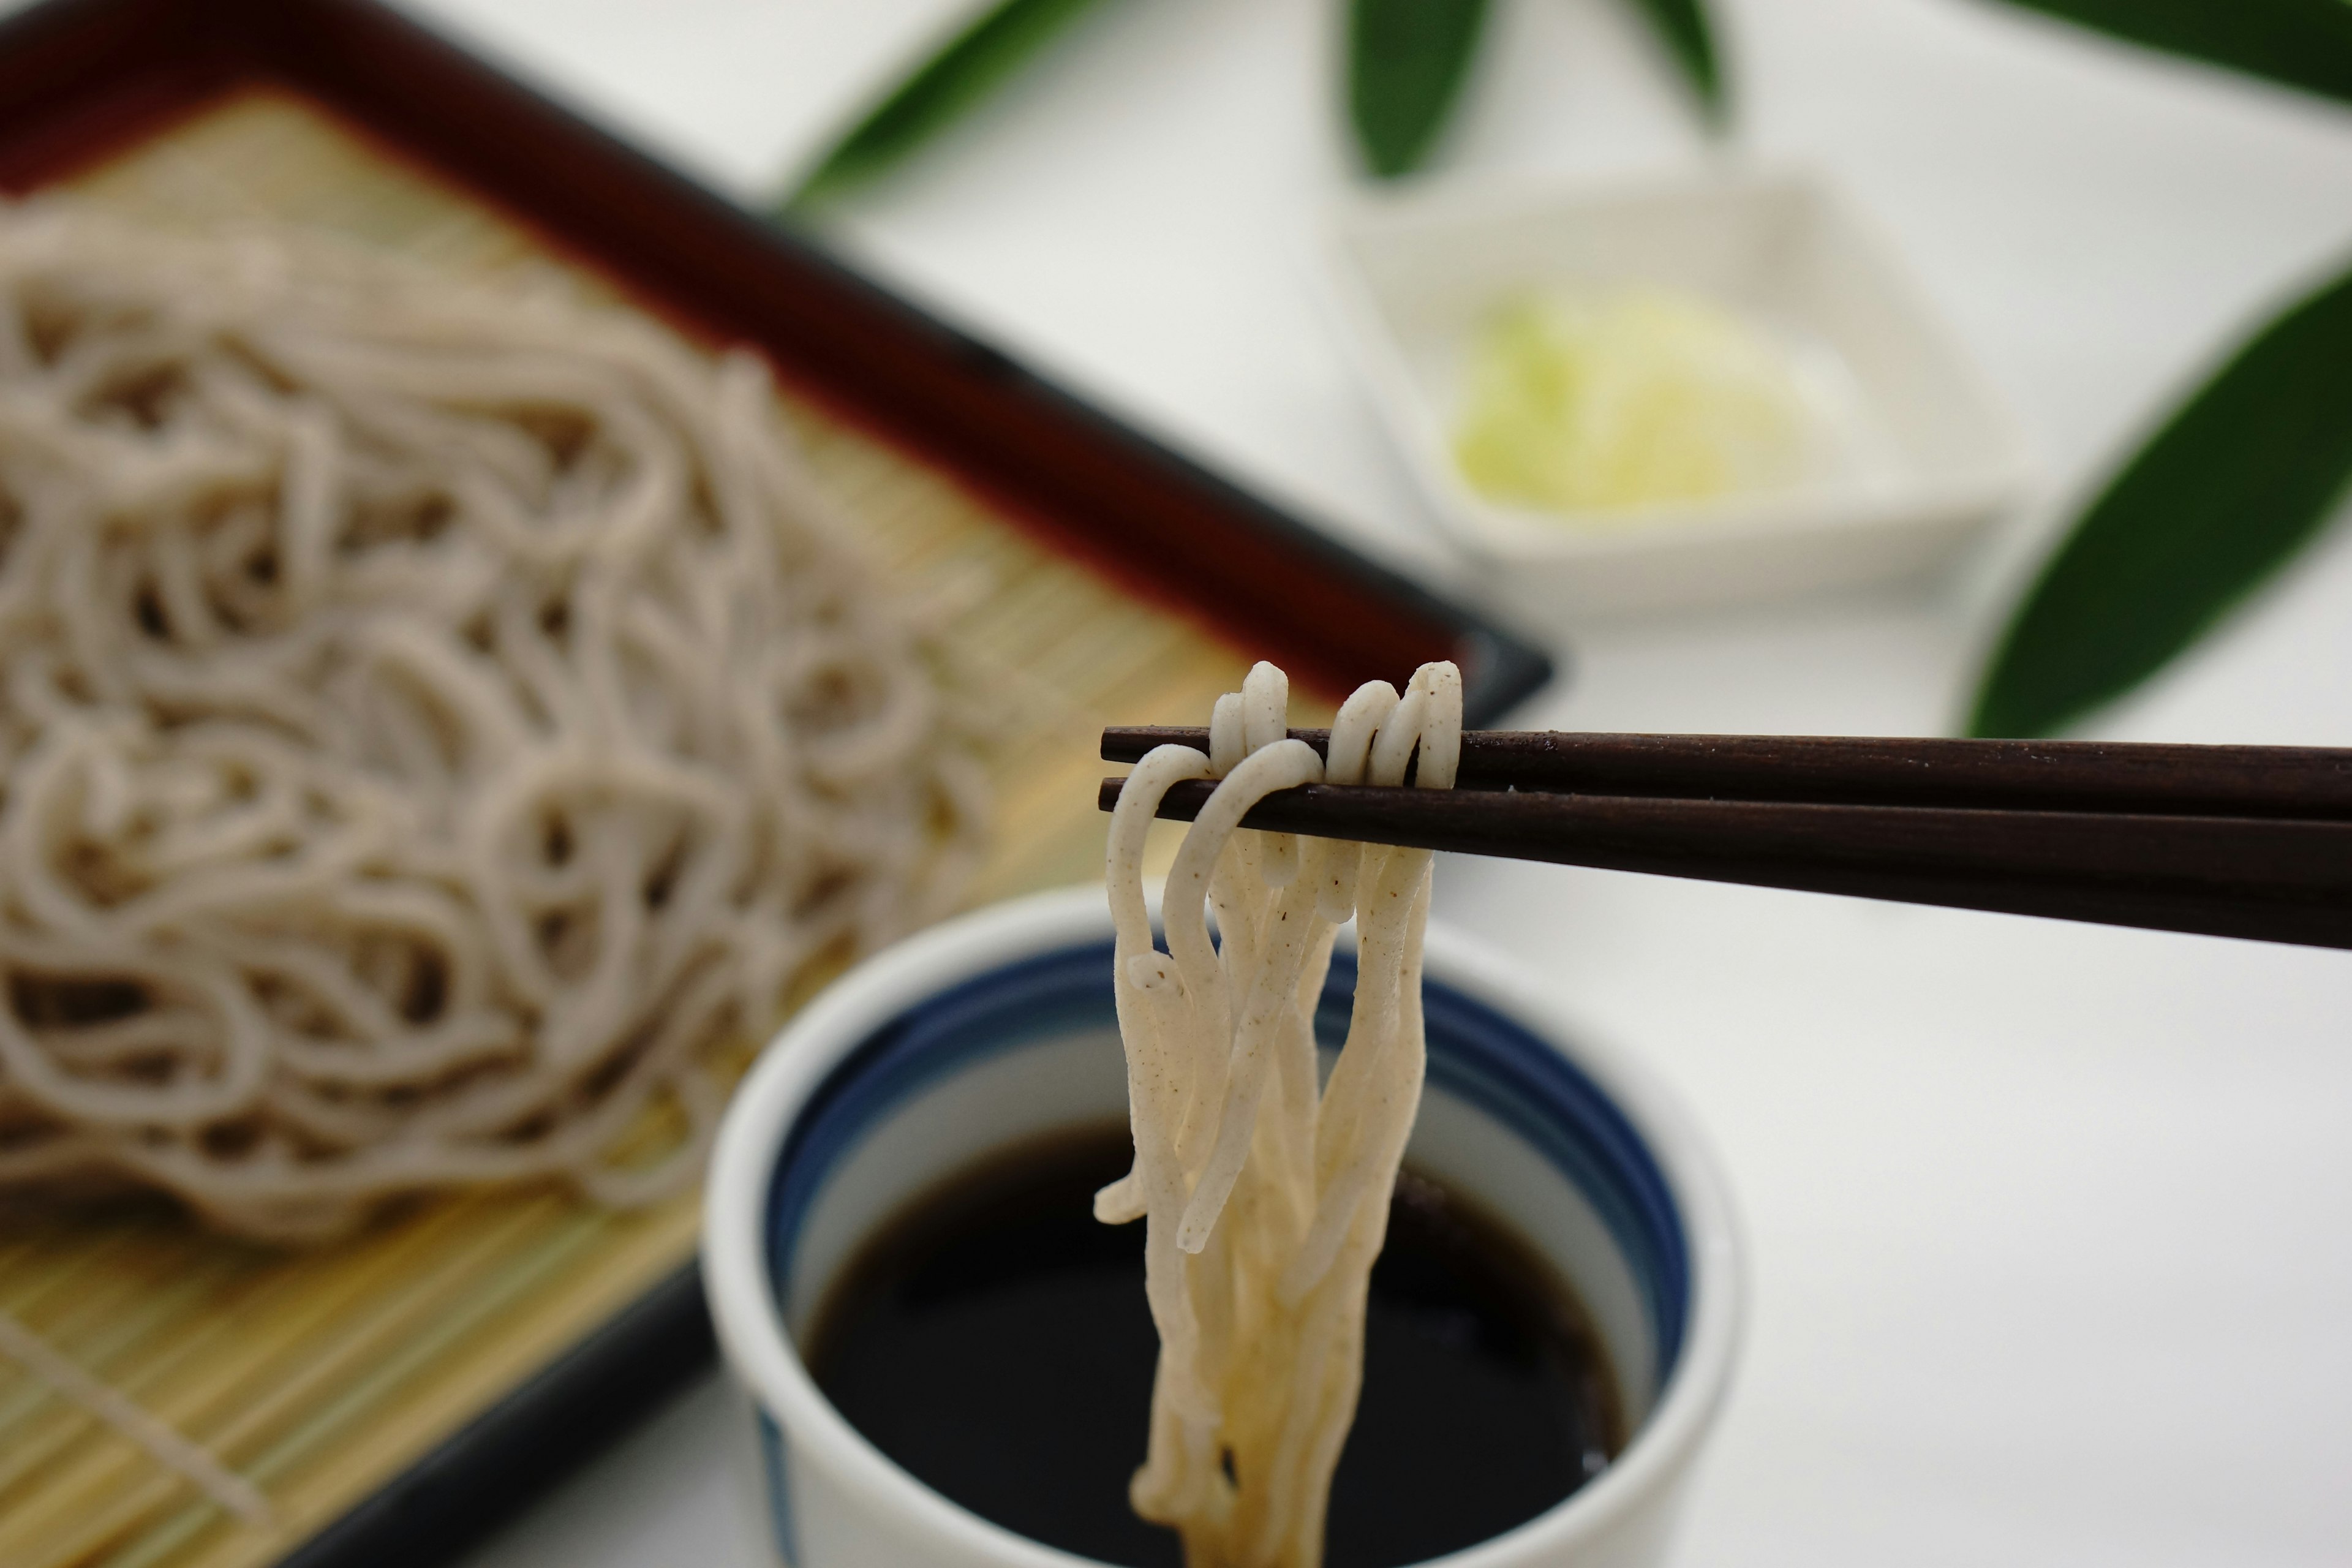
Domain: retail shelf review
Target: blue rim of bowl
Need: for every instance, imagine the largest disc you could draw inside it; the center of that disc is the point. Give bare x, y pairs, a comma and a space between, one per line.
1477, 1054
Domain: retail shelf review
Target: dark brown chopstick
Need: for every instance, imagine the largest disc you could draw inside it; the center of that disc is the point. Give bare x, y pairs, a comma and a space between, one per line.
2269, 875
2056, 775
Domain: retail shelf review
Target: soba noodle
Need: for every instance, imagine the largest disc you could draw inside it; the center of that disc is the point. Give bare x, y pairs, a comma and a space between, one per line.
1265, 1202
435, 720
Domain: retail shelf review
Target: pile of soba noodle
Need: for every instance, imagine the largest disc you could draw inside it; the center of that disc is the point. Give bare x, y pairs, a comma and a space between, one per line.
1265, 1202
436, 721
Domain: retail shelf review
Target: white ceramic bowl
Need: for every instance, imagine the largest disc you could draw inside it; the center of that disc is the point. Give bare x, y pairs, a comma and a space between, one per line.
1932, 457
997, 1027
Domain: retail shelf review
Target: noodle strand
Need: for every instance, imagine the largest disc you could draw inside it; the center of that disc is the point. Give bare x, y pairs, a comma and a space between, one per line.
1264, 1200
438, 723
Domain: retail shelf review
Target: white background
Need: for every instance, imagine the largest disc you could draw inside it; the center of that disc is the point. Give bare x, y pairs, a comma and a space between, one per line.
2051, 1225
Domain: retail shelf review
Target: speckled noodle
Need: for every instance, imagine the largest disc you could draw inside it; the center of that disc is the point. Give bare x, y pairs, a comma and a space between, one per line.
435, 721
1266, 1201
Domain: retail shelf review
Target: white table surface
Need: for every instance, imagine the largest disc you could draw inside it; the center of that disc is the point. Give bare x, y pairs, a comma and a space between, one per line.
2051, 1225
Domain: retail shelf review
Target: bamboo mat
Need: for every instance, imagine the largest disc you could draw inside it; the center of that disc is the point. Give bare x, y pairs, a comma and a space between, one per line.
317, 1377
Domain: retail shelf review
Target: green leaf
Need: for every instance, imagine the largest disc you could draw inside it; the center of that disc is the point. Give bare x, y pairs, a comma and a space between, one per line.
2238, 479
2304, 43
1683, 27
973, 65
1407, 60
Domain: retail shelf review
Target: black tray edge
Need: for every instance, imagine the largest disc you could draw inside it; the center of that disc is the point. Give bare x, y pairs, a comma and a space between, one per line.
497, 1464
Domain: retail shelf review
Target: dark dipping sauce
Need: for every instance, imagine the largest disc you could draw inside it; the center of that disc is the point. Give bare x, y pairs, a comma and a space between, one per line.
992, 1339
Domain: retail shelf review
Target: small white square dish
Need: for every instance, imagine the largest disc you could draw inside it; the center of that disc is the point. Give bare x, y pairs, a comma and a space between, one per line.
1906, 451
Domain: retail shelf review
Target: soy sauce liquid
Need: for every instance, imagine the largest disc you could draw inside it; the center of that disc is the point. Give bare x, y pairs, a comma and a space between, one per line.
993, 1341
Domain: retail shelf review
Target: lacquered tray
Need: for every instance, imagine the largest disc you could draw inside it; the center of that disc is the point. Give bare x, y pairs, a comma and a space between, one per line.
397, 1395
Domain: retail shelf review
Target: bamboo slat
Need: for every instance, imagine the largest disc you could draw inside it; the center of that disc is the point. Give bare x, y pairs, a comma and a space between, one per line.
319, 1375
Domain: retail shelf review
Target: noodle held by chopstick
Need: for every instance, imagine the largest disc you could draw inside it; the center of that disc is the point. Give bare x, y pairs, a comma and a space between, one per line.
1265, 1202
436, 721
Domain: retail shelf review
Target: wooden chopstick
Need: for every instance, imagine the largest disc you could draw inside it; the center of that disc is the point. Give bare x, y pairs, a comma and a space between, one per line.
2265, 875
2057, 775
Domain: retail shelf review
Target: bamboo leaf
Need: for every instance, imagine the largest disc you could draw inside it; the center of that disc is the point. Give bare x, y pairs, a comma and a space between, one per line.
2239, 479
1407, 60
1683, 27
2304, 43
967, 68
